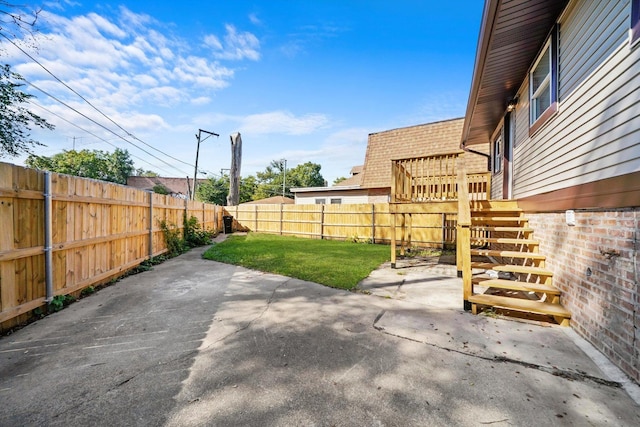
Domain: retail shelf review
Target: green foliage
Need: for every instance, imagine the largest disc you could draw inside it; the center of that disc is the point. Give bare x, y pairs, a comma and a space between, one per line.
213, 190
173, 238
194, 235
96, 164
339, 180
270, 181
60, 301
88, 291
15, 119
142, 172
161, 189
330, 262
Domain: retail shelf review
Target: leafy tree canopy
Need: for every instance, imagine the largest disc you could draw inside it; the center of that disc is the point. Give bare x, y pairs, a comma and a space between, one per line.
96, 164
339, 180
213, 190
15, 119
270, 181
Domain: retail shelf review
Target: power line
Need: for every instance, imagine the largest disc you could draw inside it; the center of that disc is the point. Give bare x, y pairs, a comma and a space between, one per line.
103, 126
96, 136
129, 134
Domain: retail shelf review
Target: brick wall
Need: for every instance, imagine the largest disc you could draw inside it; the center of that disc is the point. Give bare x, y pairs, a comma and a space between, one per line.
595, 265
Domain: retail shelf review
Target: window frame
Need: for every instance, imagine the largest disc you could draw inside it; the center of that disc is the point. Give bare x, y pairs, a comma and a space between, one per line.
549, 48
335, 201
635, 21
320, 201
497, 153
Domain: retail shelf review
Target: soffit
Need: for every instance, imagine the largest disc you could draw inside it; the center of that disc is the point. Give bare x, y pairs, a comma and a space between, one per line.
511, 35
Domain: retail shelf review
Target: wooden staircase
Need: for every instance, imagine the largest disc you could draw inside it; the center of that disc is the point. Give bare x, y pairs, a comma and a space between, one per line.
509, 273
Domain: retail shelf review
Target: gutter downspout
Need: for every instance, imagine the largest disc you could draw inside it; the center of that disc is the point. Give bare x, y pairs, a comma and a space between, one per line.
469, 150
48, 258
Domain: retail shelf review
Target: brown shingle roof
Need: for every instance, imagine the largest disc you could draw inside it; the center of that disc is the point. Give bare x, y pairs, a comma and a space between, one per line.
413, 141
352, 180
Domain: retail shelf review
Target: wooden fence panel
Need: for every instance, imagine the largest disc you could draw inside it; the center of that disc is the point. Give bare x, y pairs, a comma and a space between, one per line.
99, 230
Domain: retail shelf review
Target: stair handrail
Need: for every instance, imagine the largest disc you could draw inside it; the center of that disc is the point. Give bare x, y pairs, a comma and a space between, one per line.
463, 233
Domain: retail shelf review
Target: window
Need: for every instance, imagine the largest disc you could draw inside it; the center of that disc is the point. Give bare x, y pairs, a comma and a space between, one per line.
542, 85
635, 20
336, 201
497, 154
319, 201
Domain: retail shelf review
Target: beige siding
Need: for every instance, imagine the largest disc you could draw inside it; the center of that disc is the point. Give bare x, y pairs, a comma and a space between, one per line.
345, 198
589, 33
594, 135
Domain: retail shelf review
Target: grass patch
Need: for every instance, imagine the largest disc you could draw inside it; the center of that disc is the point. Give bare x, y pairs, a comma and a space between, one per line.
329, 262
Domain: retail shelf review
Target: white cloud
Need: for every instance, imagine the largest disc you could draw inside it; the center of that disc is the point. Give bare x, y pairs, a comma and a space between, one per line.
236, 46
283, 122
254, 19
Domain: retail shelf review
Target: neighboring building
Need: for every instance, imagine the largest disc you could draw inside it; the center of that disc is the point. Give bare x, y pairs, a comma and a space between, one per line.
347, 191
177, 187
275, 200
555, 96
371, 183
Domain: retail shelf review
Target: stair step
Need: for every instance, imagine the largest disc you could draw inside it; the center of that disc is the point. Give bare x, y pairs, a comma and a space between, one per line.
518, 304
504, 240
492, 228
516, 286
523, 269
507, 254
494, 206
499, 219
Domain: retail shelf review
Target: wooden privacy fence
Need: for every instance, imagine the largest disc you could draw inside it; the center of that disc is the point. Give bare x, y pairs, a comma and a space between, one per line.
60, 234
365, 222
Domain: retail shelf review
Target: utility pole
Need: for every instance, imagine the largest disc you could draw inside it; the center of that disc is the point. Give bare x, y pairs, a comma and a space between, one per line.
284, 174
195, 173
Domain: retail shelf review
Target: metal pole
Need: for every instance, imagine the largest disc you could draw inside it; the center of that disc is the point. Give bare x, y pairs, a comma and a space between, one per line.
195, 172
150, 224
284, 175
48, 258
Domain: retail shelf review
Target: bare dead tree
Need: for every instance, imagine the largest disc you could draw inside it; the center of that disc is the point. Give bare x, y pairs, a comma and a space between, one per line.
17, 18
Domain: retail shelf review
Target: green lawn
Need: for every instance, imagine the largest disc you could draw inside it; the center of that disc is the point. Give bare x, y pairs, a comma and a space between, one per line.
329, 262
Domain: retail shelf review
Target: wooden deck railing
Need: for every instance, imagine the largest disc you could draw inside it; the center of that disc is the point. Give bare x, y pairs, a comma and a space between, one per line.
434, 178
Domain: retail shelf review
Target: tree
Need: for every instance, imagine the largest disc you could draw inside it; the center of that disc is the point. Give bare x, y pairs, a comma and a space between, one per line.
270, 181
213, 190
15, 119
248, 187
339, 180
96, 164
142, 172
14, 18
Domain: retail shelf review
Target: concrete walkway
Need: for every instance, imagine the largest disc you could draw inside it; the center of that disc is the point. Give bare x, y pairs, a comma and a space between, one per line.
199, 343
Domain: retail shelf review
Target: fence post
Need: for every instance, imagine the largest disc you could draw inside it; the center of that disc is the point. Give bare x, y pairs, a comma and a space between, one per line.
373, 223
281, 218
322, 221
150, 224
48, 249
463, 236
392, 211
256, 216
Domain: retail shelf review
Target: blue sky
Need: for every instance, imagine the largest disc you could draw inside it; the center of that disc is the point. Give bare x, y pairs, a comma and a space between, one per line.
300, 80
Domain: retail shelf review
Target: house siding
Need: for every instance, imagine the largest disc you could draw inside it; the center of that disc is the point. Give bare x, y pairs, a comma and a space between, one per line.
595, 265
588, 35
596, 132
346, 197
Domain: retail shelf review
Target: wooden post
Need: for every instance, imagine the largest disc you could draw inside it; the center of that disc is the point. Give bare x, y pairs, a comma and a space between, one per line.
409, 230
463, 238
322, 222
150, 224
402, 231
373, 223
281, 218
256, 217
393, 235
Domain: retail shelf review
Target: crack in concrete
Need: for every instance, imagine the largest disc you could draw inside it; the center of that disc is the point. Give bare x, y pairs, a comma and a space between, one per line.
563, 373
